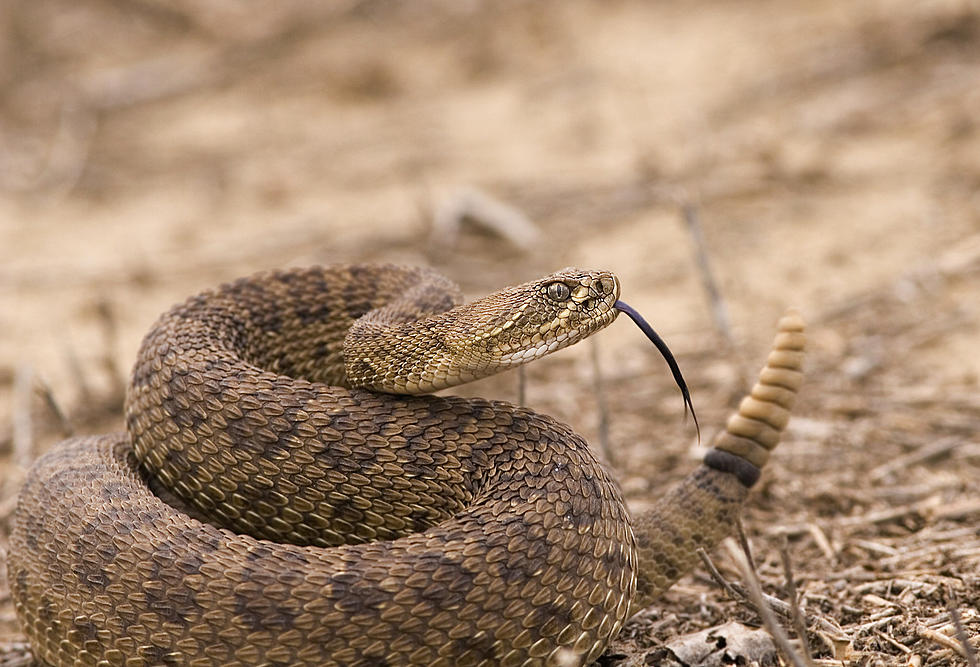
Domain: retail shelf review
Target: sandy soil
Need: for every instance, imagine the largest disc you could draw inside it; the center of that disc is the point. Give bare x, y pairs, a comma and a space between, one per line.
829, 150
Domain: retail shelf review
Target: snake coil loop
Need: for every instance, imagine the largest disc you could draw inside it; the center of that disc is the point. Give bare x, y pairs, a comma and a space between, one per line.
314, 517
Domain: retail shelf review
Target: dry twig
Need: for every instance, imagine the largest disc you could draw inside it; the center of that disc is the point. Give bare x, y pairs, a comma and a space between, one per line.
941, 639
923, 454
900, 646
85, 394
64, 424
110, 334
799, 619
488, 213
966, 648
719, 309
737, 592
765, 611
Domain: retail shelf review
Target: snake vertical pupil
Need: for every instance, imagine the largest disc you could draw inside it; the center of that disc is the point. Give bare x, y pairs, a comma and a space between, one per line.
558, 291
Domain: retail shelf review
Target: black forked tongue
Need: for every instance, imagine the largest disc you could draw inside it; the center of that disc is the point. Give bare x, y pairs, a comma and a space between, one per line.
668, 357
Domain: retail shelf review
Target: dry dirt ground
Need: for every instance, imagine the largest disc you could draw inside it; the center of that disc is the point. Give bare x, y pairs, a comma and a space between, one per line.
829, 149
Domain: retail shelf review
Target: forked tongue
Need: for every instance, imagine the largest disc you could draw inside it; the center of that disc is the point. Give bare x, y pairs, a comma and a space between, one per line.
668, 357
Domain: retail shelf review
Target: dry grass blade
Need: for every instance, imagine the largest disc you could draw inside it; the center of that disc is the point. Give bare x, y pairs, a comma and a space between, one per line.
891, 640
110, 334
942, 640
64, 424
768, 617
740, 594
926, 507
820, 538
966, 648
799, 620
486, 212
920, 455
734, 591
719, 309
743, 542
86, 395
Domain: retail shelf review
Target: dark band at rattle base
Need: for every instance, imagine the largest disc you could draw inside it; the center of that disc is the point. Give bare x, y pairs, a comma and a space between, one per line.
747, 473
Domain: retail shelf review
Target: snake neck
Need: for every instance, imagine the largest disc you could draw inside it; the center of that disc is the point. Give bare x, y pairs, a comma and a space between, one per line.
393, 349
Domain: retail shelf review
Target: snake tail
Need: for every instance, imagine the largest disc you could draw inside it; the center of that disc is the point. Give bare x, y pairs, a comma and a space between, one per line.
702, 510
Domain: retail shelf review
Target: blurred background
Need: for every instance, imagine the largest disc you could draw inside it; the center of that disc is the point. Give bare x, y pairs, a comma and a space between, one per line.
821, 154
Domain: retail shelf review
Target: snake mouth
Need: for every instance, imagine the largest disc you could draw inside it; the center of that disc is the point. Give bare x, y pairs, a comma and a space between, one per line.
667, 355
530, 350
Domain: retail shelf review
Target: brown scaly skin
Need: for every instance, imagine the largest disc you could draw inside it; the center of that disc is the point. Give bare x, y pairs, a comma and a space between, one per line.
416, 529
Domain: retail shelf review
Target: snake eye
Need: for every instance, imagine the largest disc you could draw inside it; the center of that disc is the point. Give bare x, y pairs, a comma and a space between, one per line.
558, 291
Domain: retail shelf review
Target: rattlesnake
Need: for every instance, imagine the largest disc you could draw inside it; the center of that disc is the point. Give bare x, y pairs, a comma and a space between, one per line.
313, 523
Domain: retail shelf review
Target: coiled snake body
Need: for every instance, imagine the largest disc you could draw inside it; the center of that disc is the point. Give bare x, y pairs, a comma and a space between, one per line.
310, 522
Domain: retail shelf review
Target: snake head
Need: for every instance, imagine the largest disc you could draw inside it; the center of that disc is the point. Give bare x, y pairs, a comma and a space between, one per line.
526, 322
384, 351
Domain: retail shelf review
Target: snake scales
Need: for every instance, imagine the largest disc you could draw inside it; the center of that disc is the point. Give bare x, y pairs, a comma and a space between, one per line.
348, 526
